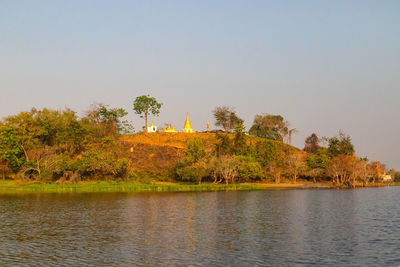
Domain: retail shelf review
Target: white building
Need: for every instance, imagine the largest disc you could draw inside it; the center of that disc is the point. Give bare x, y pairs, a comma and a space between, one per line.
152, 128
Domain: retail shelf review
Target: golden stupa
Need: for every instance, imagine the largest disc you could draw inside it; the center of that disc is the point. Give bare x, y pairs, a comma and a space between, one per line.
188, 127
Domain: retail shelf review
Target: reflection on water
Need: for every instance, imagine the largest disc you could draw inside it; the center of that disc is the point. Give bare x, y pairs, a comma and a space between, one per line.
264, 228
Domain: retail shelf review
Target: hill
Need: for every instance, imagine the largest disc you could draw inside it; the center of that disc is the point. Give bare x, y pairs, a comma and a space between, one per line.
157, 154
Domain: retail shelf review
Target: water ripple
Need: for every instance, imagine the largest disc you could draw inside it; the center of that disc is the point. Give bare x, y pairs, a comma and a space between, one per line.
260, 228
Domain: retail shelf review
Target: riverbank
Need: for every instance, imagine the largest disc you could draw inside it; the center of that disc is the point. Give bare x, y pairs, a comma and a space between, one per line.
105, 186
134, 187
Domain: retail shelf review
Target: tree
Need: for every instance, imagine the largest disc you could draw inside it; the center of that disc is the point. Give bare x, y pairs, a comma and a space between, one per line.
226, 118
194, 150
228, 168
24, 131
239, 145
317, 163
224, 145
377, 170
272, 157
290, 133
314, 173
296, 162
340, 168
194, 172
145, 105
311, 144
340, 145
4, 170
361, 170
10, 148
108, 118
249, 168
269, 126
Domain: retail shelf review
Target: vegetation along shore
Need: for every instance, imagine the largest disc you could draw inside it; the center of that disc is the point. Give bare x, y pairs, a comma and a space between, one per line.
57, 151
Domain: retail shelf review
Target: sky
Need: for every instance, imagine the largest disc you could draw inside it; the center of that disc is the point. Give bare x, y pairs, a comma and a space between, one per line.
322, 65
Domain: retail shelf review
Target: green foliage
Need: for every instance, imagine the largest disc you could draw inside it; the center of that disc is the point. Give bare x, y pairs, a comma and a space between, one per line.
145, 105
340, 145
249, 168
119, 186
49, 145
10, 149
27, 130
194, 172
223, 145
43, 144
223, 168
268, 126
269, 151
108, 120
194, 150
96, 163
318, 160
194, 167
226, 118
240, 146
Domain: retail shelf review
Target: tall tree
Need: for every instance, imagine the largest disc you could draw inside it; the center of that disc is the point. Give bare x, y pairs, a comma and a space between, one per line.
269, 126
145, 105
291, 132
226, 118
311, 144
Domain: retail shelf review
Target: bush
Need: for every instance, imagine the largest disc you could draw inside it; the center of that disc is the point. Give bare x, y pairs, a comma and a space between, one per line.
194, 150
195, 172
249, 168
95, 163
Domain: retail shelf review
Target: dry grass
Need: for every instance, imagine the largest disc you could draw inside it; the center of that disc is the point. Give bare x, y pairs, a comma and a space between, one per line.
176, 140
158, 153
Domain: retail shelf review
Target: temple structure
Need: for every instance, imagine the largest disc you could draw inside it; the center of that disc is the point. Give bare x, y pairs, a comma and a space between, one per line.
169, 129
188, 127
152, 128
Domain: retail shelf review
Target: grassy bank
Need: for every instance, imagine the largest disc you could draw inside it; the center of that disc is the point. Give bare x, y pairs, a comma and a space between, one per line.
93, 187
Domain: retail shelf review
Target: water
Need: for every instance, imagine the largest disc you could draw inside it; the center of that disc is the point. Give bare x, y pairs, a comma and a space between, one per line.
259, 228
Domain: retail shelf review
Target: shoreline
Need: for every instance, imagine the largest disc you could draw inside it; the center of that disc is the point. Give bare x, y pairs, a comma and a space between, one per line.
10, 187
131, 187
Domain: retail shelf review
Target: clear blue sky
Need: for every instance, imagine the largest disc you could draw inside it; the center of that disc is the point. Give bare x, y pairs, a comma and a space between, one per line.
323, 65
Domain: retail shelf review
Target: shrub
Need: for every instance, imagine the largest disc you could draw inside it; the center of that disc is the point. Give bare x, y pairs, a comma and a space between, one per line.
97, 164
194, 150
195, 172
249, 168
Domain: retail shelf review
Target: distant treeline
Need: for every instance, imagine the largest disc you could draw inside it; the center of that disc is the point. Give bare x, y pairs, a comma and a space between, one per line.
58, 146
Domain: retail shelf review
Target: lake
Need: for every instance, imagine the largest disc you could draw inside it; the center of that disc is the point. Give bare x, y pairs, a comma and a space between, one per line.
258, 228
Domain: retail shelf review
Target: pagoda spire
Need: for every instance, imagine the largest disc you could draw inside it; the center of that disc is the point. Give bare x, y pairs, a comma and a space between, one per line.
188, 126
